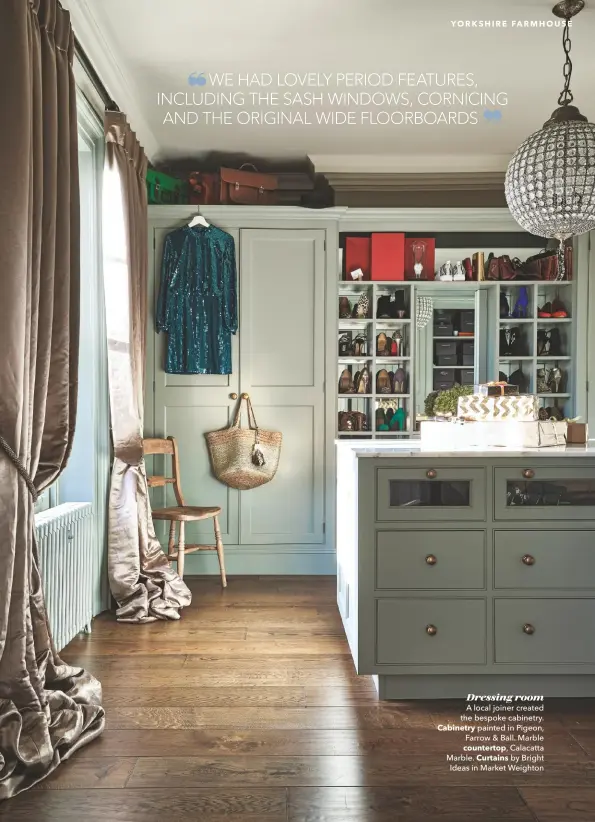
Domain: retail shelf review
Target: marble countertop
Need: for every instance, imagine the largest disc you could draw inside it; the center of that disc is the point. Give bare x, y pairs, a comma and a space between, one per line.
414, 448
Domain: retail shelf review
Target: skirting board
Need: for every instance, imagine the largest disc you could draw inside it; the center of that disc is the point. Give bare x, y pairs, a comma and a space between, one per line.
459, 686
245, 560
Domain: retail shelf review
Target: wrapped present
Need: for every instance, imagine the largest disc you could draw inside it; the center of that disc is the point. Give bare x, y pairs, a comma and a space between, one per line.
522, 407
495, 389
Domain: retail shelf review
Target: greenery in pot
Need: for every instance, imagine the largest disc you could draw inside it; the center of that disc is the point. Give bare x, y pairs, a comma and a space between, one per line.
445, 403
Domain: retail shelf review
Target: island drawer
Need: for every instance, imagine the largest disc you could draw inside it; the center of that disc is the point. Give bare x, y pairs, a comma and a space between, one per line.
558, 631
431, 631
544, 559
430, 493
542, 492
425, 559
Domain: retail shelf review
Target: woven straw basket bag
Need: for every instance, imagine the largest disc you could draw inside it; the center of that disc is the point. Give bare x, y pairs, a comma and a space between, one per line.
244, 458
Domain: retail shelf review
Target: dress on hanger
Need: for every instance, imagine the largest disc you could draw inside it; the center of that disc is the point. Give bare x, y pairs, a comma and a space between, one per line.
197, 302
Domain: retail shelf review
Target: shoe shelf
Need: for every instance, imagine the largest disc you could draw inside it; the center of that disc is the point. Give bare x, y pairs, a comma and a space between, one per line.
547, 343
391, 332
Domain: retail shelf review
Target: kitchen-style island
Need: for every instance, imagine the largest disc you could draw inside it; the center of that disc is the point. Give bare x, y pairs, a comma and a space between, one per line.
468, 572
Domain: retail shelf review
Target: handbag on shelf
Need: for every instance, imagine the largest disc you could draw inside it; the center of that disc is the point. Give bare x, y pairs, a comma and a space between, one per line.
241, 187
244, 458
503, 268
545, 265
204, 187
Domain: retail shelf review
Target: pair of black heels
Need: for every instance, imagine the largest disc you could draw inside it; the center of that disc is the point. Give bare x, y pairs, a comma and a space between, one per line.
395, 309
549, 343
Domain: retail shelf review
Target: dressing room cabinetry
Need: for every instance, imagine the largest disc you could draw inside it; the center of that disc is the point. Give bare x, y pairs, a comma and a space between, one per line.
471, 572
278, 359
287, 357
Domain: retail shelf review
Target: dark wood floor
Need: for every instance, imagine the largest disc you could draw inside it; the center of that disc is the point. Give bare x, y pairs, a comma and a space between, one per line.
249, 709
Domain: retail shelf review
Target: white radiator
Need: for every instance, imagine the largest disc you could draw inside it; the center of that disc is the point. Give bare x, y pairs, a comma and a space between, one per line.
67, 567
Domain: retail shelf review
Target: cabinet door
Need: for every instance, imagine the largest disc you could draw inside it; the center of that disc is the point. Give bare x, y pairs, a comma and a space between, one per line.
187, 406
425, 493
282, 369
544, 492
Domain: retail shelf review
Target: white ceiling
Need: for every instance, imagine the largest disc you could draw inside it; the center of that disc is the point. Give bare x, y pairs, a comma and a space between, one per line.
144, 47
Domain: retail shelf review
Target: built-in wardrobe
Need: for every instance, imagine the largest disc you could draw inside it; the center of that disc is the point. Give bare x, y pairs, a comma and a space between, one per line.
286, 358
280, 360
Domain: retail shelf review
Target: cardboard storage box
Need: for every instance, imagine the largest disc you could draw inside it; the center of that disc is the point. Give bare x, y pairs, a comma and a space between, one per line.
522, 407
577, 434
467, 322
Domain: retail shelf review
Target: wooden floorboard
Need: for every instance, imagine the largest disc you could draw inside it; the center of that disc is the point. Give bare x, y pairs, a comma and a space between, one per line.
249, 708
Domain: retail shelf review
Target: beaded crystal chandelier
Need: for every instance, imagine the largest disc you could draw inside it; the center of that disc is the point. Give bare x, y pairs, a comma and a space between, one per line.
550, 181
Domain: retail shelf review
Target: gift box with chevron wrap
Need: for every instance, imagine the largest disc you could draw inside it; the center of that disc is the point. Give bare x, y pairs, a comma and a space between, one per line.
522, 407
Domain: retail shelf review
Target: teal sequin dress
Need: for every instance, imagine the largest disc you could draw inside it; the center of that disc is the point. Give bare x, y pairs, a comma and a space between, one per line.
197, 302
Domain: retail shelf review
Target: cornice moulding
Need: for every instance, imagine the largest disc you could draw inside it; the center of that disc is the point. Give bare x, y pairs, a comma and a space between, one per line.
348, 219
107, 65
408, 163
473, 181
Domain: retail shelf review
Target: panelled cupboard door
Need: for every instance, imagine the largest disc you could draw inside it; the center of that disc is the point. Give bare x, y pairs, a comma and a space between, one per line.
187, 406
282, 357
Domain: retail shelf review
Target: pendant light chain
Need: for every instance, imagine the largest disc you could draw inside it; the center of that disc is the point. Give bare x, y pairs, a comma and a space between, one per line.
566, 96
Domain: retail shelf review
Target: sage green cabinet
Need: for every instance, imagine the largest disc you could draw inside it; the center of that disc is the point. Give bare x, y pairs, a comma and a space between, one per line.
423, 559
431, 631
532, 559
427, 493
481, 597
188, 406
282, 361
279, 359
549, 492
550, 631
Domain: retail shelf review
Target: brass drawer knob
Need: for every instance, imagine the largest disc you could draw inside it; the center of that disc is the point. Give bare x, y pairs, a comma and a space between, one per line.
528, 559
431, 559
431, 630
528, 473
528, 628
233, 396
431, 474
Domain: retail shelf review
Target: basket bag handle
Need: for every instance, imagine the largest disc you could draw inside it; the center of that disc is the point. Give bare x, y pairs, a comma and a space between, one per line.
257, 454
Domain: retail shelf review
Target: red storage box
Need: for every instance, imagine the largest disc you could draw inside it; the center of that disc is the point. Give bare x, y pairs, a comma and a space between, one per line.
358, 252
388, 256
428, 261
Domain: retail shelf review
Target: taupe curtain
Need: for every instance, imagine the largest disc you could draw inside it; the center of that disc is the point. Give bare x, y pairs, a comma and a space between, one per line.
144, 585
47, 709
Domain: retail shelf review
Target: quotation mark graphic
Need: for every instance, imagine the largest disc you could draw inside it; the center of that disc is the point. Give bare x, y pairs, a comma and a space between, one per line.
197, 79
493, 116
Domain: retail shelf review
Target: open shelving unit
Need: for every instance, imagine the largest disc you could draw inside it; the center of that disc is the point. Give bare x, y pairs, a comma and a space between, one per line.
459, 234
531, 330
371, 327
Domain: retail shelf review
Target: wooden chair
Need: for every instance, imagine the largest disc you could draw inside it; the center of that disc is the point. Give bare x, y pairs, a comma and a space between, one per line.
182, 513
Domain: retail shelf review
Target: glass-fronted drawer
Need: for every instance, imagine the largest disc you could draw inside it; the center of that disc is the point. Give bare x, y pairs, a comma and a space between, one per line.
431, 631
544, 559
430, 494
538, 492
558, 631
430, 559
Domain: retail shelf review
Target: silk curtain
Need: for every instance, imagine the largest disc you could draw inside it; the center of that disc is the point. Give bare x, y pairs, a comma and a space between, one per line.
144, 585
47, 709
